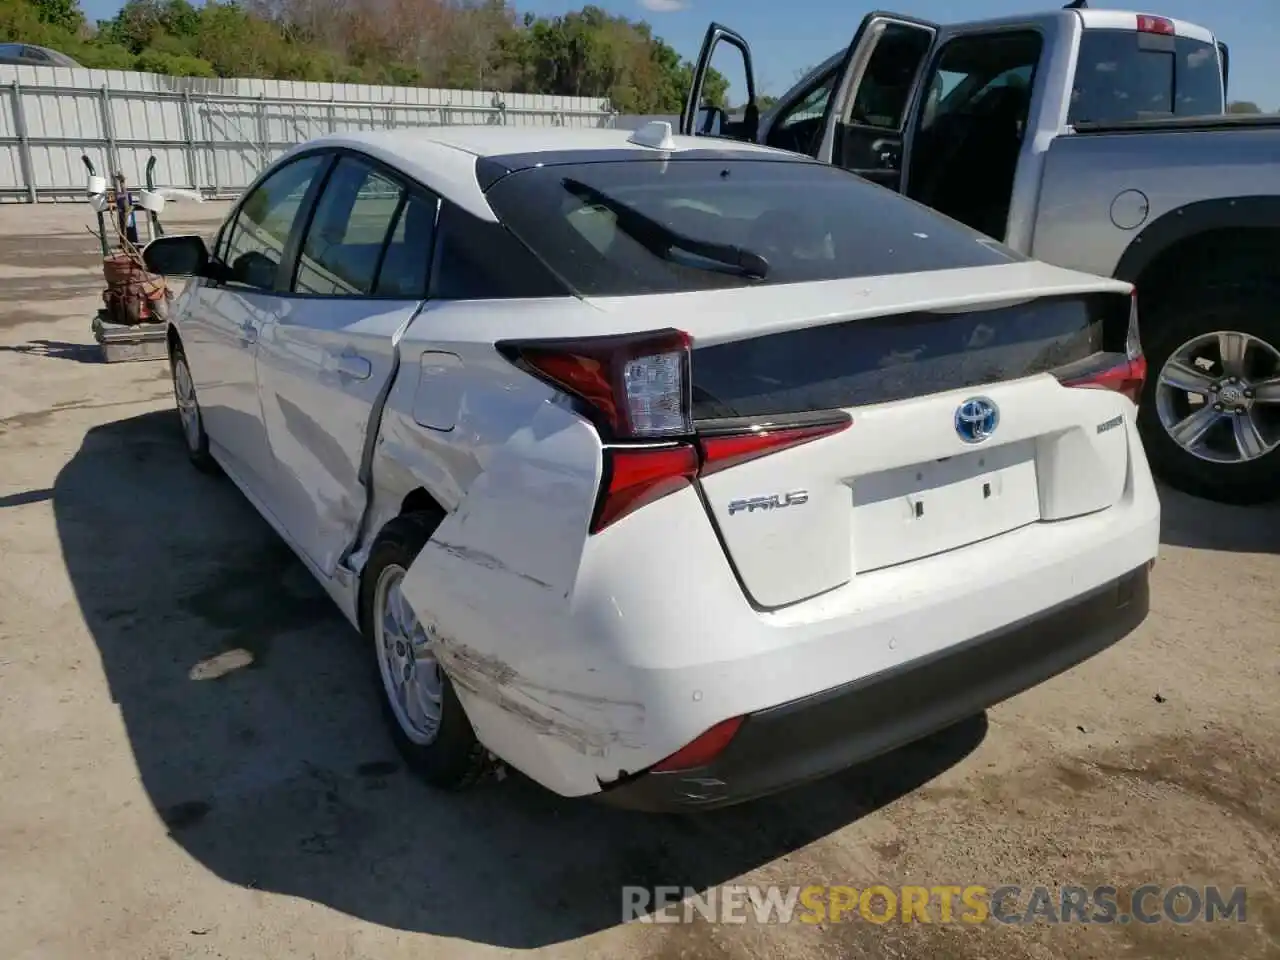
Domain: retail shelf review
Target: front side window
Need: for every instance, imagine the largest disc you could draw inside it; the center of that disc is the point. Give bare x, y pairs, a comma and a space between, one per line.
256, 240
662, 226
799, 127
885, 90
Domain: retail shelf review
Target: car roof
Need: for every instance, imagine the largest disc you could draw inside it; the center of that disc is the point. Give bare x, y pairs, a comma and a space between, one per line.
446, 159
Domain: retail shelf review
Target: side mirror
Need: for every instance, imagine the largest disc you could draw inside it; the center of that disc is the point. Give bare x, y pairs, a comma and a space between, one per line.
178, 256
255, 269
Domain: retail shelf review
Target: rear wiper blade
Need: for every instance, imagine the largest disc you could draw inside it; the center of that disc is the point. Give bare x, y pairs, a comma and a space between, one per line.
660, 240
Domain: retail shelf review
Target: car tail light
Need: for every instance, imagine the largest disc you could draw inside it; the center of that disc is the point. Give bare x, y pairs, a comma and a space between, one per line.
723, 450
1160, 25
701, 751
1128, 374
636, 389
635, 386
635, 476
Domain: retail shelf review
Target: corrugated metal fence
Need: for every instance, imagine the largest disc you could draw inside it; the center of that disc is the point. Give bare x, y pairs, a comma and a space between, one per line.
214, 135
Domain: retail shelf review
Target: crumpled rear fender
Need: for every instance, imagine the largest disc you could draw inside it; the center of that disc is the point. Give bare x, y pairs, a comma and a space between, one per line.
495, 588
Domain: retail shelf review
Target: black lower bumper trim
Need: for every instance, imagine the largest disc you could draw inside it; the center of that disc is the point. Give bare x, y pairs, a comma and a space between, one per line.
818, 735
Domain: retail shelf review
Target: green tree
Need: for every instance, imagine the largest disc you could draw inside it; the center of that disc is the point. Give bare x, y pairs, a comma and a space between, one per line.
475, 44
1242, 106
60, 14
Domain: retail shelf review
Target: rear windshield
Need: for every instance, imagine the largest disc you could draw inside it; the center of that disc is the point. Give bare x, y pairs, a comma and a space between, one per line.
808, 221
1124, 75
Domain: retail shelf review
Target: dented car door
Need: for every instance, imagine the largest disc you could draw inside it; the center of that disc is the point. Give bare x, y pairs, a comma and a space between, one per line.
330, 357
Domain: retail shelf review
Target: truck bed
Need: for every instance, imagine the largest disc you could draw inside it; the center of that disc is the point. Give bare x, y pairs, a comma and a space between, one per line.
1240, 121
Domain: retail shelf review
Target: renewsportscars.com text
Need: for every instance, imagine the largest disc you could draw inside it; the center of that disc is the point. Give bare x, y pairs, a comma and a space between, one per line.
971, 904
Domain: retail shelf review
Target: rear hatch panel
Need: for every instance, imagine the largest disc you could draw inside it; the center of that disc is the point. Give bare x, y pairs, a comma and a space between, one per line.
907, 480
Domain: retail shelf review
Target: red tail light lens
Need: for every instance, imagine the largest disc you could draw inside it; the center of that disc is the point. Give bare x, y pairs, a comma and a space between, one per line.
640, 475
1160, 25
1126, 377
1128, 374
730, 449
700, 752
637, 391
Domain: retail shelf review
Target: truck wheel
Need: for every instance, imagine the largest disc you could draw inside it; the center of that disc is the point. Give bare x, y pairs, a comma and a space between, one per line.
427, 723
1210, 412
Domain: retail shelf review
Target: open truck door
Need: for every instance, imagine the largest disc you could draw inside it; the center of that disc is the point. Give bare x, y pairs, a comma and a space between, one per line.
867, 118
712, 120
865, 101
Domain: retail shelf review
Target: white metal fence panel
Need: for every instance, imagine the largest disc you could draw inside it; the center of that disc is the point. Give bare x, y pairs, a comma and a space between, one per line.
215, 135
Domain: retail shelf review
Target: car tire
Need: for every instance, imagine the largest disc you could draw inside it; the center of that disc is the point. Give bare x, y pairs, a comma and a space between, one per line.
190, 419
452, 758
1172, 328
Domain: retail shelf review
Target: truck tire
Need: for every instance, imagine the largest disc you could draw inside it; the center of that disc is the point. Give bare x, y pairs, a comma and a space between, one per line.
427, 723
1210, 410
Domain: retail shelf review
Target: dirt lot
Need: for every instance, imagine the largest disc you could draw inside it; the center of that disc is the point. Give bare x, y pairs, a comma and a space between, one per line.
157, 804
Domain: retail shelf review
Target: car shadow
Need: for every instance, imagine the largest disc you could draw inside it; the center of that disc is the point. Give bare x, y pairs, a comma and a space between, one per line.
252, 715
57, 350
1187, 521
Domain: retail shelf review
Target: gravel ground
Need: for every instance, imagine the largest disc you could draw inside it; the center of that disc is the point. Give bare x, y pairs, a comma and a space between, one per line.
193, 765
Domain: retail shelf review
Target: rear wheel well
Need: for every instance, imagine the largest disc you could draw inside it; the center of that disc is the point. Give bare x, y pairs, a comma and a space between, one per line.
419, 501
1234, 256
175, 341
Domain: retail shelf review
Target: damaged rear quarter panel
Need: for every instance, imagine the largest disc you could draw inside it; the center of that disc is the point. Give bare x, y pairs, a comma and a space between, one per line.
516, 473
495, 586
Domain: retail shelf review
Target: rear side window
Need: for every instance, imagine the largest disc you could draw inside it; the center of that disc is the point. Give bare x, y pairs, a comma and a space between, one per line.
343, 246
643, 226
1123, 75
369, 236
408, 256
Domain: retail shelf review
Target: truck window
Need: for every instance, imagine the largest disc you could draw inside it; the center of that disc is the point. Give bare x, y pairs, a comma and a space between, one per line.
886, 87
1122, 75
799, 128
969, 138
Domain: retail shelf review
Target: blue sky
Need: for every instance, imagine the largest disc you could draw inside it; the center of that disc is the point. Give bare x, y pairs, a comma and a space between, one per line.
784, 39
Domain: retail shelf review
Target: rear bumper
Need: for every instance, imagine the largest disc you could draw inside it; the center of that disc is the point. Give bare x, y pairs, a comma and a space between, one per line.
809, 738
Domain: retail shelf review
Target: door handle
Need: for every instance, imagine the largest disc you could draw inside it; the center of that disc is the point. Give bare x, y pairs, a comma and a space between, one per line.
248, 333
348, 363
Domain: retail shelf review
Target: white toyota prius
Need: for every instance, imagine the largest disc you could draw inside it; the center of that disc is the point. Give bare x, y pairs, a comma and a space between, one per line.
670, 471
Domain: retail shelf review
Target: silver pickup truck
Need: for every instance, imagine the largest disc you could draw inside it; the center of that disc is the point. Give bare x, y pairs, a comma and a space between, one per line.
1092, 139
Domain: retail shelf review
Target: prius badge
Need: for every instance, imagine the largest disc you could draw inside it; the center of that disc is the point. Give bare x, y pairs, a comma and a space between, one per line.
775, 501
977, 419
